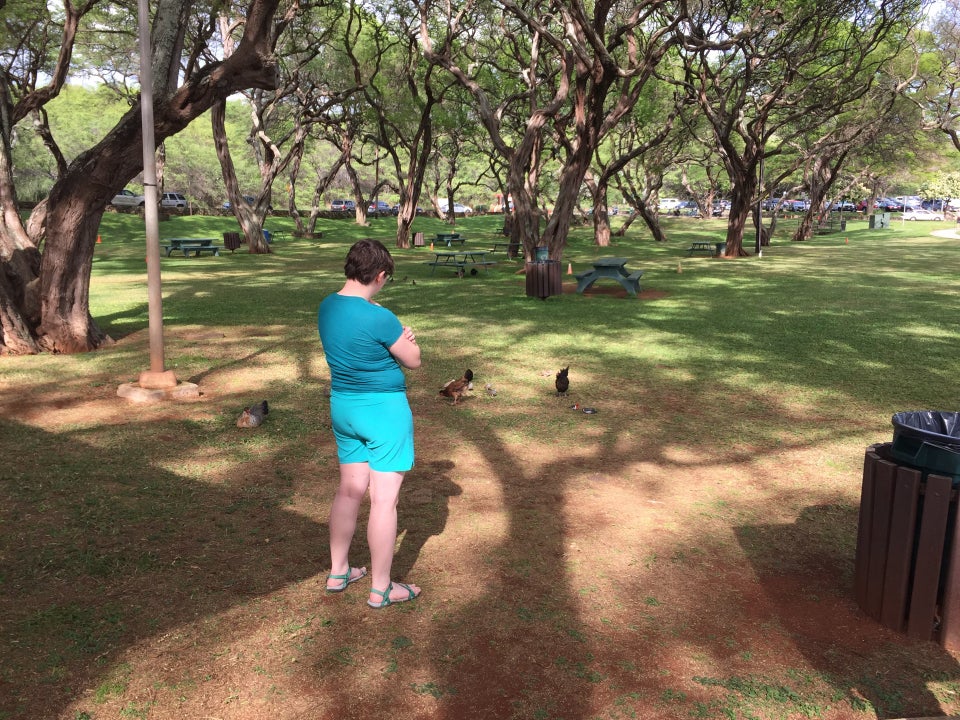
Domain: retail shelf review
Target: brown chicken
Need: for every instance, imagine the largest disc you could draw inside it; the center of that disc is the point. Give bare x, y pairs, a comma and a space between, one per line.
562, 382
456, 388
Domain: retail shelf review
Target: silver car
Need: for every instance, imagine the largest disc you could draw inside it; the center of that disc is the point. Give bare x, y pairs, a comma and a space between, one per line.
126, 198
174, 200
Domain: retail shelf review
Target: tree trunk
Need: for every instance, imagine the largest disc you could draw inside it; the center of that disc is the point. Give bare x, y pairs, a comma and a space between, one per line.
652, 219
804, 229
601, 226
627, 223
74, 210
251, 222
19, 261
740, 207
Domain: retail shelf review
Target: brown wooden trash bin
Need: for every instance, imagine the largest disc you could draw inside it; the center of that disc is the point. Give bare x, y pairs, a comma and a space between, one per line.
418, 239
543, 279
231, 240
907, 569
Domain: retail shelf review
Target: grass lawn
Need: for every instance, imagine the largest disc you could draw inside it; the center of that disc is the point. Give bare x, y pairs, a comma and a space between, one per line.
685, 552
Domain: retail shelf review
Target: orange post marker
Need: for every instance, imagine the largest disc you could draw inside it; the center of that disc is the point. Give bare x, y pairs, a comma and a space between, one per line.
431, 246
569, 268
846, 241
98, 239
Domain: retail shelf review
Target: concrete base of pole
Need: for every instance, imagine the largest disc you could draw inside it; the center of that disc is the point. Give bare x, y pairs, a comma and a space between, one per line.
158, 386
153, 380
182, 391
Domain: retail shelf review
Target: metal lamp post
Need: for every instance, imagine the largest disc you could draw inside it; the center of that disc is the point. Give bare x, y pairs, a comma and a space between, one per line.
157, 377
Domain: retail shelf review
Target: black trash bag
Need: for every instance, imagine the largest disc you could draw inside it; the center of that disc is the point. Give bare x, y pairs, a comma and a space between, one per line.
928, 440
932, 426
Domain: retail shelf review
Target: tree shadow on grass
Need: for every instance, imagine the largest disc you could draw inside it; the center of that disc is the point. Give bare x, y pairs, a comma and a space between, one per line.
92, 562
806, 569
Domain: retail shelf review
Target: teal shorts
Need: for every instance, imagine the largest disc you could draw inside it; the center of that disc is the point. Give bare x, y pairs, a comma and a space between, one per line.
375, 428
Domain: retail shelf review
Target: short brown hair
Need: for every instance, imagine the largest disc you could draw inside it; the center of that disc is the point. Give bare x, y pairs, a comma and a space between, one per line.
366, 259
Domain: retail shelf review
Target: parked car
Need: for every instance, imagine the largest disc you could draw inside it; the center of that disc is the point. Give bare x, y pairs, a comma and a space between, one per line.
249, 199
844, 206
720, 208
668, 204
458, 209
343, 206
379, 207
888, 205
173, 200
909, 201
126, 198
921, 214
396, 210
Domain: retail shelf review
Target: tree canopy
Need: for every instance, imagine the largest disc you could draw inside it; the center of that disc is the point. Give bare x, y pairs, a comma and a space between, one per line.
544, 104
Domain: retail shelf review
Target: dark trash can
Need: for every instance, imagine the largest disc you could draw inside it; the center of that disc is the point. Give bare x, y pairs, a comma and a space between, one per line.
928, 440
907, 571
231, 240
543, 279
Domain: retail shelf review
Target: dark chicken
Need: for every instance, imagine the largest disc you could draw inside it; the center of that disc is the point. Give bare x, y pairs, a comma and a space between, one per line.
253, 416
456, 388
562, 382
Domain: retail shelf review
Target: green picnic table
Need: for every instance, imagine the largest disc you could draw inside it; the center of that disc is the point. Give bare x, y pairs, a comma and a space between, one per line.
197, 246
612, 268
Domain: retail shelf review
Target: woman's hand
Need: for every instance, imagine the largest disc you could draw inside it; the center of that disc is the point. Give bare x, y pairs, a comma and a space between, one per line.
408, 334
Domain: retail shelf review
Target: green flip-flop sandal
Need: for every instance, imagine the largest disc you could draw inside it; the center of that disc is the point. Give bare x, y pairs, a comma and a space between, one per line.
346, 579
385, 594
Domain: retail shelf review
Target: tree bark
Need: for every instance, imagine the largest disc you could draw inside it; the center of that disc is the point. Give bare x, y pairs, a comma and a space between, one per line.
250, 220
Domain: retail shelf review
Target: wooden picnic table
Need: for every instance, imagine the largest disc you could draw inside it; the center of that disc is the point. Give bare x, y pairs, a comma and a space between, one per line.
191, 245
460, 259
612, 268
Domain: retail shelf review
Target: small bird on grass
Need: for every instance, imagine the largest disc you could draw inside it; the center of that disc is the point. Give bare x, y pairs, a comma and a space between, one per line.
562, 382
456, 388
253, 416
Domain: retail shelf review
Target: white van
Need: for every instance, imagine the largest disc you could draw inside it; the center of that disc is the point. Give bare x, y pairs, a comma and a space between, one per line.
667, 204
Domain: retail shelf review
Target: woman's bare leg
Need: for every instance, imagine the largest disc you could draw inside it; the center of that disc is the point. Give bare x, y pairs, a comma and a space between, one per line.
354, 480
382, 531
